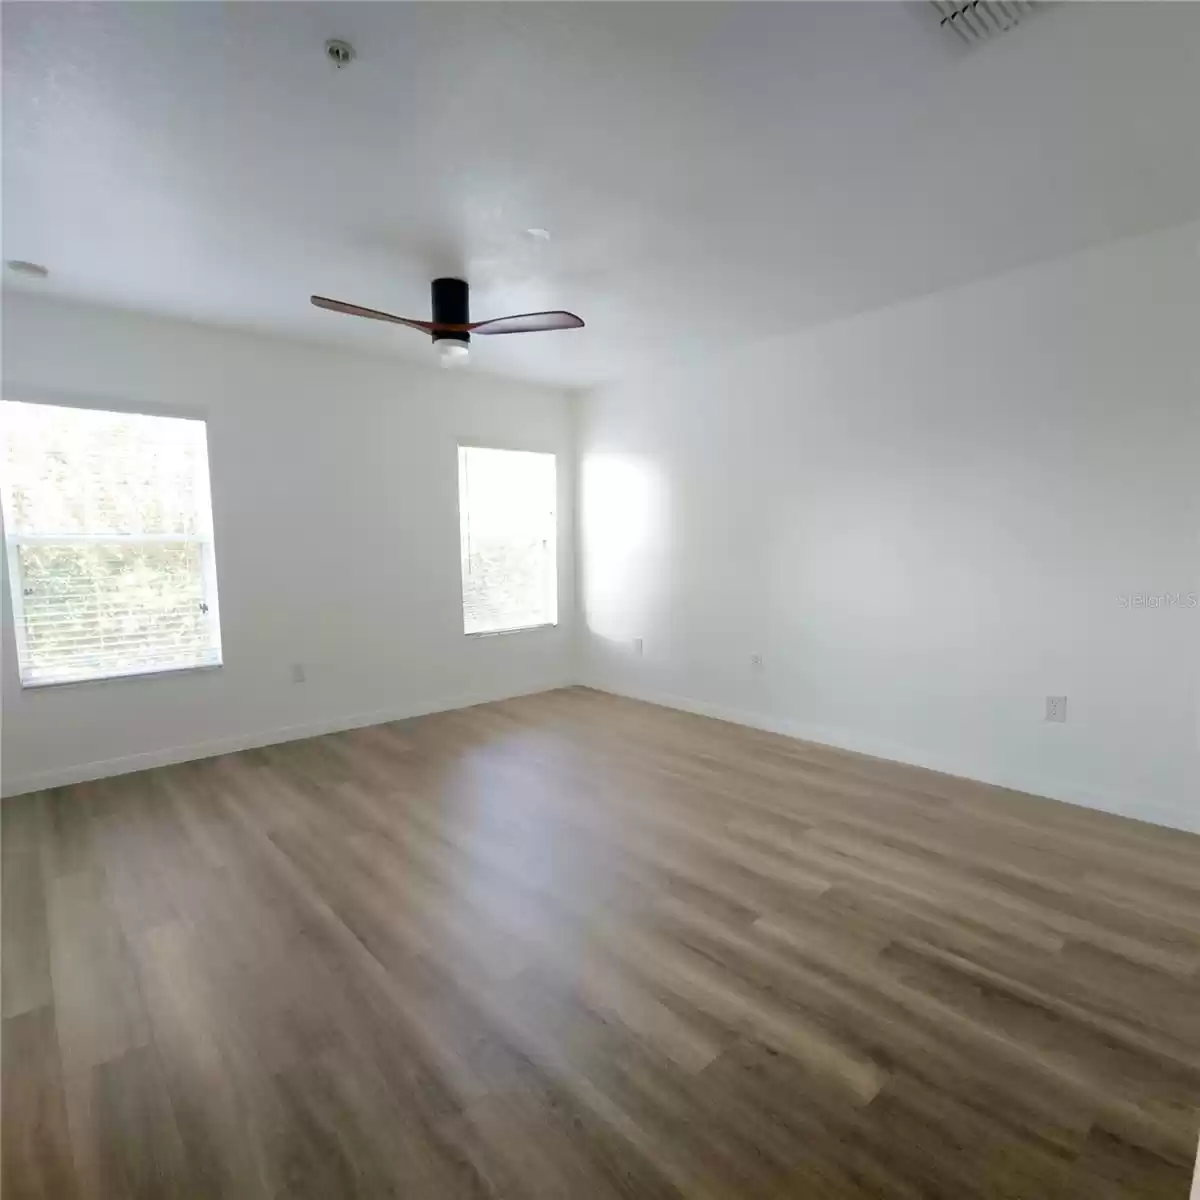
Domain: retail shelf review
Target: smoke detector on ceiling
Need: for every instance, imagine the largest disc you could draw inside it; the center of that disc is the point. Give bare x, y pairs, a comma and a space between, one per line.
340, 53
980, 20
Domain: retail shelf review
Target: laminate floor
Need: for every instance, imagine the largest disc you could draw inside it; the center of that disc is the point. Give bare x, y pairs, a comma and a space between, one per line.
575, 946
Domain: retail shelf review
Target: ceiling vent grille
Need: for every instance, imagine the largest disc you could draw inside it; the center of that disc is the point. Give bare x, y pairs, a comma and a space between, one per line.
979, 20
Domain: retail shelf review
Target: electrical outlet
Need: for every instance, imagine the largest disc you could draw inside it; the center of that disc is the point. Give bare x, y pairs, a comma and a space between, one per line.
637, 647
298, 674
756, 662
1056, 708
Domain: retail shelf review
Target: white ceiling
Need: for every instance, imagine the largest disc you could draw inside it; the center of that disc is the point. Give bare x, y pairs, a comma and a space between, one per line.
707, 170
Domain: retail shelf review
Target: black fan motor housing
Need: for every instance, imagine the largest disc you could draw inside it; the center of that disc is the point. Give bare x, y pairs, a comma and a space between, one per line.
450, 307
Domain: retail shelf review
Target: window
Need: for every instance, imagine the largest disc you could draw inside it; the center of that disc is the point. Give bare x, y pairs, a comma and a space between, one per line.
108, 531
506, 501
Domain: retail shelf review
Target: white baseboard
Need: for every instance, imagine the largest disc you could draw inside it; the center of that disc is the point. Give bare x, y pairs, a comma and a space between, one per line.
1068, 793
36, 781
1055, 789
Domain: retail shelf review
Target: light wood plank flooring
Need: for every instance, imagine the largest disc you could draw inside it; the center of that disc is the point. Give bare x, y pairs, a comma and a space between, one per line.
573, 946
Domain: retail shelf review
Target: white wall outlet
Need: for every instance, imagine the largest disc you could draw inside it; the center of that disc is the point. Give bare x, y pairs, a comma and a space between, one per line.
637, 647
298, 673
756, 662
1056, 708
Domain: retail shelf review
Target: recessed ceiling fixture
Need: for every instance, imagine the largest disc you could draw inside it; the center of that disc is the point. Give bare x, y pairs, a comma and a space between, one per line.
20, 266
538, 234
451, 327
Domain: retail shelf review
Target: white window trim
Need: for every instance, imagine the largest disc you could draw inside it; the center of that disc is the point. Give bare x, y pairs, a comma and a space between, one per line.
204, 540
490, 633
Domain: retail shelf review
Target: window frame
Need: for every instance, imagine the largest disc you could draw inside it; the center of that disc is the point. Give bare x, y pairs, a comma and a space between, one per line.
205, 541
471, 443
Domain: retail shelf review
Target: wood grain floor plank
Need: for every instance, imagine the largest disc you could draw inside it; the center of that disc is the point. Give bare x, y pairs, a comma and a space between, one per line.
37, 1152
98, 1003
574, 945
125, 1139
26, 982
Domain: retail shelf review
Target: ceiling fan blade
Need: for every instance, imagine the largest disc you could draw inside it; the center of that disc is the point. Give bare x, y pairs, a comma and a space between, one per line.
356, 310
530, 323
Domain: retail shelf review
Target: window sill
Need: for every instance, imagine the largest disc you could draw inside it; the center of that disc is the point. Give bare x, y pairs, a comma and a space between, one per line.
491, 633
38, 685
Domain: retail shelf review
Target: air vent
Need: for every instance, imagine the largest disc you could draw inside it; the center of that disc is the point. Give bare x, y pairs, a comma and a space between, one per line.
981, 19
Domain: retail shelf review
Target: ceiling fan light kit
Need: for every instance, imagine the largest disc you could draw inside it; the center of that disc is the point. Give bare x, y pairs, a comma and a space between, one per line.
452, 327
450, 305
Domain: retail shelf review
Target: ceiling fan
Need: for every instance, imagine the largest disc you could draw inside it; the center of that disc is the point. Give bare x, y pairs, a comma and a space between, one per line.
452, 327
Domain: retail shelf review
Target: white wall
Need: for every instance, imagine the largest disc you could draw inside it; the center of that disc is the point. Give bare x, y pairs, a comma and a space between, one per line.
922, 518
335, 504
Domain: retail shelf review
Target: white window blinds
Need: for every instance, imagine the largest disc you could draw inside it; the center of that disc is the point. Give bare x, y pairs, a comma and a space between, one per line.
108, 531
508, 529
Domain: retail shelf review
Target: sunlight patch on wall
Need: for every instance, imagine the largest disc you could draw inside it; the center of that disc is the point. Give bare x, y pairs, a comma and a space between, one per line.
624, 523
